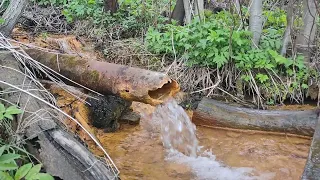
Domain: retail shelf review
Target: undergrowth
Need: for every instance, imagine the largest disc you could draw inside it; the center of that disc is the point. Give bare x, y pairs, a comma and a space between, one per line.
14, 165
218, 43
210, 56
132, 18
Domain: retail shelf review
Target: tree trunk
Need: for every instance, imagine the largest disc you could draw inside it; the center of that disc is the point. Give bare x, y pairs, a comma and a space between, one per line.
178, 12
307, 34
255, 21
187, 10
111, 5
12, 15
199, 8
287, 34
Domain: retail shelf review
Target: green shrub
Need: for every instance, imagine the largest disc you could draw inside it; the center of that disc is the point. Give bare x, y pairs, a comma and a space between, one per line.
9, 169
215, 44
132, 15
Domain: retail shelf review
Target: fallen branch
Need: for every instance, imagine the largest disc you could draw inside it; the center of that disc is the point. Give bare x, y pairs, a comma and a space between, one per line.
213, 113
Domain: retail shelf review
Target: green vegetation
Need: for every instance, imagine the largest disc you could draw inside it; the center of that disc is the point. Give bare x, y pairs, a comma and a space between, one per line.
13, 165
216, 44
131, 17
221, 41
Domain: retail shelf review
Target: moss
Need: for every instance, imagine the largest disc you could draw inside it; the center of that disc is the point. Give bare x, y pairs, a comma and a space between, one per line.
91, 77
70, 61
53, 61
105, 111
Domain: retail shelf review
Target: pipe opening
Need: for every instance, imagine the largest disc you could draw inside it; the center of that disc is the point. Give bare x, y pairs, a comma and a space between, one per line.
165, 91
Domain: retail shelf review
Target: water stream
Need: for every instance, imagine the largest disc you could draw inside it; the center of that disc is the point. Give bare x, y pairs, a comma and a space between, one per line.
166, 145
178, 135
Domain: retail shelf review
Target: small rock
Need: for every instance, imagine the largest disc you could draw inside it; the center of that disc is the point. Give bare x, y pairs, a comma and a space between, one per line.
131, 117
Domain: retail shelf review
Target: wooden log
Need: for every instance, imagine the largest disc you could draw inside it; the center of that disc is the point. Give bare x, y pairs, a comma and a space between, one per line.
132, 84
312, 168
60, 153
214, 113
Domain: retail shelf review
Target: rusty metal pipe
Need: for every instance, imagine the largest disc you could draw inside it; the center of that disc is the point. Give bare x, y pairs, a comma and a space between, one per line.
130, 83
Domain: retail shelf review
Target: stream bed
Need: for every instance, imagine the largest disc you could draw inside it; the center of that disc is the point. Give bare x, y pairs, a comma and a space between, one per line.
139, 153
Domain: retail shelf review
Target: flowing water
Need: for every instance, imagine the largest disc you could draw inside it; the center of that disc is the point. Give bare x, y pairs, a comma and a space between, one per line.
178, 135
166, 145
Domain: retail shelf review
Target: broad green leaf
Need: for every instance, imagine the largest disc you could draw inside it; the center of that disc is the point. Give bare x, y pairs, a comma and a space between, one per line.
9, 116
13, 110
2, 108
5, 176
44, 176
304, 86
8, 166
7, 158
22, 171
262, 77
2, 148
1, 116
210, 54
294, 84
33, 171
269, 66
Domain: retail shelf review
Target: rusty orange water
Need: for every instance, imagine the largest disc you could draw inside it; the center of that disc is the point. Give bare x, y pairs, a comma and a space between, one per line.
138, 155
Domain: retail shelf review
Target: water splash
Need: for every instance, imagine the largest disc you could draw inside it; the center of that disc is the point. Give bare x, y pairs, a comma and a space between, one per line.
178, 136
177, 131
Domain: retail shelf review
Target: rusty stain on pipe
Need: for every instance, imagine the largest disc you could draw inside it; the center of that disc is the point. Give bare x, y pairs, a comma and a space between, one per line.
130, 83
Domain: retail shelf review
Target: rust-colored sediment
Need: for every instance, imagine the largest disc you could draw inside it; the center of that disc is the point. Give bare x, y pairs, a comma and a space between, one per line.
138, 156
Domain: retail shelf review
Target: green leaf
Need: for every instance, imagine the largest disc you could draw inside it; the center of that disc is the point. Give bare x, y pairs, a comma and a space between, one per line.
9, 116
246, 78
5, 176
2, 21
304, 86
210, 54
1, 116
8, 166
2, 148
22, 171
2, 108
33, 171
269, 66
262, 77
13, 110
7, 158
44, 176
290, 72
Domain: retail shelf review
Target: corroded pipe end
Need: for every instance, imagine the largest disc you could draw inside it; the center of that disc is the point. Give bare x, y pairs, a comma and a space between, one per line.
154, 96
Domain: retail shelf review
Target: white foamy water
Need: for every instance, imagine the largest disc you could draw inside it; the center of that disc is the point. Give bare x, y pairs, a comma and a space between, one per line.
178, 136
